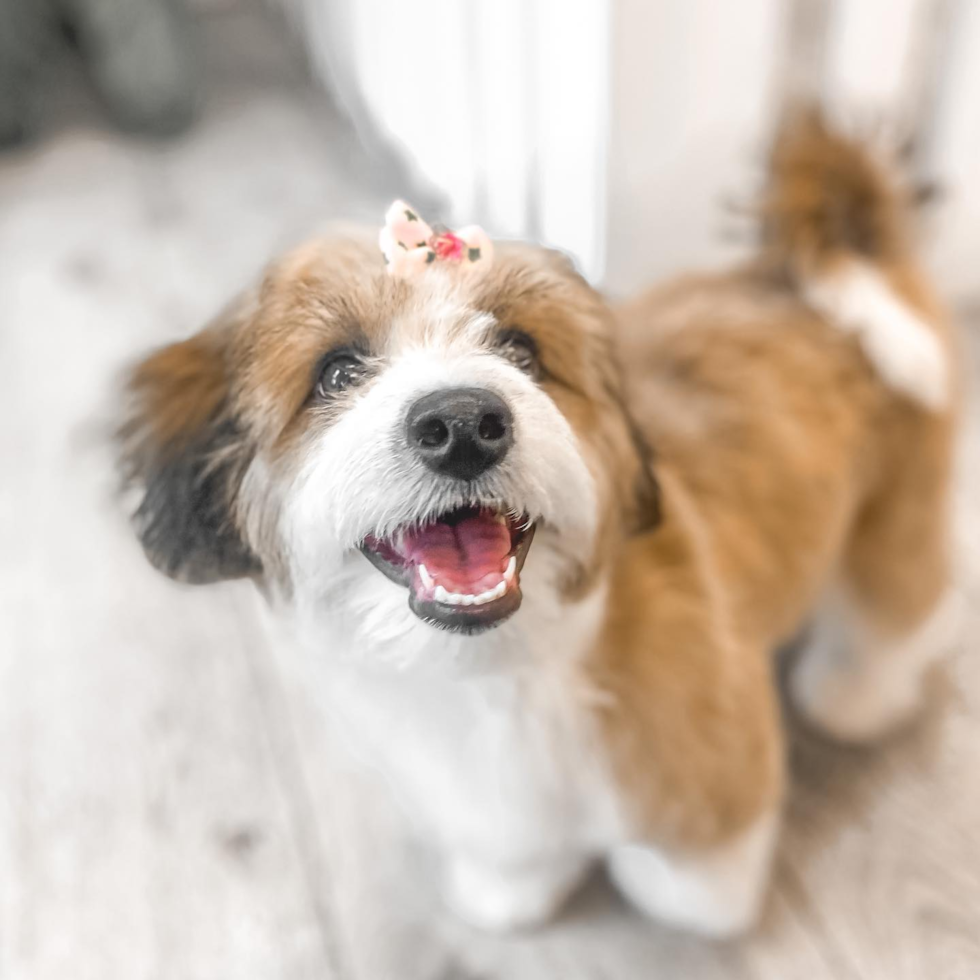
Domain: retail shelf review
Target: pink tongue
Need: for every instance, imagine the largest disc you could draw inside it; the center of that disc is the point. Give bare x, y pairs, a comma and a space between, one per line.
459, 557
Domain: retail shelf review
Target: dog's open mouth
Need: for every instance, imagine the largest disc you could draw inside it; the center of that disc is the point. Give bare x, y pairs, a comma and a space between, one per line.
462, 570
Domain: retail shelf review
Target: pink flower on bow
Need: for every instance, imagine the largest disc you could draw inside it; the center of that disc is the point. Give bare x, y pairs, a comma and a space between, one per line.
409, 244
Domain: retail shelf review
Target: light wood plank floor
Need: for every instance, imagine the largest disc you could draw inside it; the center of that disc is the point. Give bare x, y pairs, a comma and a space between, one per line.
172, 803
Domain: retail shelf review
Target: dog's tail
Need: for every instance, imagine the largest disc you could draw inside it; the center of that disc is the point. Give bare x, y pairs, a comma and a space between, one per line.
838, 221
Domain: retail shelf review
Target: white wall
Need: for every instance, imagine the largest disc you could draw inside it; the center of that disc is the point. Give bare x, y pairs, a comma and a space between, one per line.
690, 83
956, 244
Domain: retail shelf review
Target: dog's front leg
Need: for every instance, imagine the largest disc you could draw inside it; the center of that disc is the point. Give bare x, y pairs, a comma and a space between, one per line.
691, 724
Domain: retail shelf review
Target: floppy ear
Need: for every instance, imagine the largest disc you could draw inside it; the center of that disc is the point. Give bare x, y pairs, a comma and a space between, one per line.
642, 493
647, 514
184, 452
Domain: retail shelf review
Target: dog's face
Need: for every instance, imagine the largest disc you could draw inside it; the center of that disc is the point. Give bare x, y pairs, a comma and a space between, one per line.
392, 448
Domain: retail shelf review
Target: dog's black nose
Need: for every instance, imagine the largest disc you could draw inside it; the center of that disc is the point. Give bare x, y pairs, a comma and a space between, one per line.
460, 432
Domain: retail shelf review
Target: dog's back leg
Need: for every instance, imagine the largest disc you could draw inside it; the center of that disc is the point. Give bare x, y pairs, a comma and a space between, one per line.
892, 611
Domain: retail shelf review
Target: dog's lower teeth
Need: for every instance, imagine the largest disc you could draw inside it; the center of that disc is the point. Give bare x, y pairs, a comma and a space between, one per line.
463, 599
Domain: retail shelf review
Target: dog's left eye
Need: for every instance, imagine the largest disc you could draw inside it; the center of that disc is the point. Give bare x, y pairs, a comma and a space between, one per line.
342, 370
521, 351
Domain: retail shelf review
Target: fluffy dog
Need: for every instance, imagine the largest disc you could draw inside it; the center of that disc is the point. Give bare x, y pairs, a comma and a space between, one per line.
645, 502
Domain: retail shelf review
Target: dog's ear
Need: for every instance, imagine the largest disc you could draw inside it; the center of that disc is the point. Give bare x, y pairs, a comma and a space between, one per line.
647, 514
183, 452
642, 504
638, 490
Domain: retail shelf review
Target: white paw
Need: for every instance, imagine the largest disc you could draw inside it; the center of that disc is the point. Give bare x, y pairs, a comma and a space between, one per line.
504, 899
850, 701
858, 690
716, 893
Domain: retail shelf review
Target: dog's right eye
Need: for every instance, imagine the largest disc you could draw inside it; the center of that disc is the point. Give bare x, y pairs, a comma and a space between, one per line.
518, 348
340, 370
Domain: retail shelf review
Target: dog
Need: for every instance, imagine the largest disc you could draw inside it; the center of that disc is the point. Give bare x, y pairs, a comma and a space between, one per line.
547, 546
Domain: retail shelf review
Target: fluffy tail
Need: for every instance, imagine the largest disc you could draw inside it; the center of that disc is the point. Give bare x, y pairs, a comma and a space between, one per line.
838, 221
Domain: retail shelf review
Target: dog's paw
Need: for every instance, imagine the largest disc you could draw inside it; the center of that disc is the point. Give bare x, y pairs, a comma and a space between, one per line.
716, 893
508, 898
857, 690
853, 702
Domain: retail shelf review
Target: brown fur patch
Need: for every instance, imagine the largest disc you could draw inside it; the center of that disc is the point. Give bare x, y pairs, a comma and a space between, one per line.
829, 195
692, 724
181, 389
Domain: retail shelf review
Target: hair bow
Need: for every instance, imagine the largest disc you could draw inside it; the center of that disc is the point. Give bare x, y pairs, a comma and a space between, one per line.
409, 244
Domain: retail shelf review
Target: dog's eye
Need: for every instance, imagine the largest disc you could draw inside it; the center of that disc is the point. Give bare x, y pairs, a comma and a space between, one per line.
340, 371
521, 351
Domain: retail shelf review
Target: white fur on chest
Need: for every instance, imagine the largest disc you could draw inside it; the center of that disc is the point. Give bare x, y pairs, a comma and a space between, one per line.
491, 746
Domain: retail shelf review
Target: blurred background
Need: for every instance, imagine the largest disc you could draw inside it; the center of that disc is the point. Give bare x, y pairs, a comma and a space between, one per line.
172, 802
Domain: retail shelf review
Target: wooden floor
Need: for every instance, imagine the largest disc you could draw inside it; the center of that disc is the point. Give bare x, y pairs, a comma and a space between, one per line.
172, 805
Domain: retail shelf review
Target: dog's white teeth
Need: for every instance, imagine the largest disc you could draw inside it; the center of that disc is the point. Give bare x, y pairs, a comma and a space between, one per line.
495, 593
490, 594
510, 571
427, 580
462, 599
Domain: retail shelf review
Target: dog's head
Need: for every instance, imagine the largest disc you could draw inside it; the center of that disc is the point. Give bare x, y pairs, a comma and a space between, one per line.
388, 448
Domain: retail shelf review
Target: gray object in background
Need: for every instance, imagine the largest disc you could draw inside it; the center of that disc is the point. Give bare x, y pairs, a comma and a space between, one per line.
139, 55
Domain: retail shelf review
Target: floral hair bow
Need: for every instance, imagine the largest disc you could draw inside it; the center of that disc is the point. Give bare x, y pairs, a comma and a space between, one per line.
409, 244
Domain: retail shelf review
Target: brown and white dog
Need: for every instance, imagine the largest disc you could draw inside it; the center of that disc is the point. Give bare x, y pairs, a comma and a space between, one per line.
644, 501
